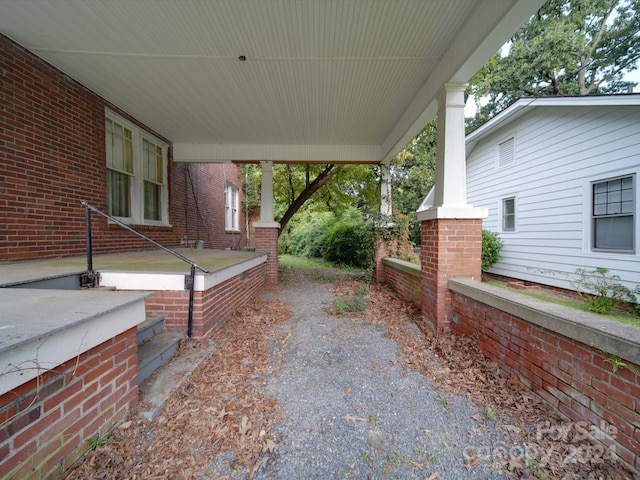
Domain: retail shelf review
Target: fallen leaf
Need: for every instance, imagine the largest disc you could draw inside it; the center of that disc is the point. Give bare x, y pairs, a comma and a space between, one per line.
125, 425
351, 418
269, 445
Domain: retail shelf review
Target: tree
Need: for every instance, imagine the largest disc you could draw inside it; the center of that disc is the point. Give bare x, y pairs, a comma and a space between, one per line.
311, 187
322, 188
413, 175
570, 47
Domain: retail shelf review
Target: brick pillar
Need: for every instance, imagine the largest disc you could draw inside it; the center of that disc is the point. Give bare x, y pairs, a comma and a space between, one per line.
266, 240
379, 252
450, 248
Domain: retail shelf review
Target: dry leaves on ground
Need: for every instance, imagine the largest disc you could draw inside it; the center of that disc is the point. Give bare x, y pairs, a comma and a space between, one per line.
544, 445
216, 410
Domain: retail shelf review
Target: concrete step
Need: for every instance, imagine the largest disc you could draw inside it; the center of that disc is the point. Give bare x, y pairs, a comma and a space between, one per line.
155, 352
150, 327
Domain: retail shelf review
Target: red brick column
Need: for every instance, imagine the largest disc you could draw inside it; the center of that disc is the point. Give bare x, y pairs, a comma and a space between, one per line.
380, 251
450, 248
266, 240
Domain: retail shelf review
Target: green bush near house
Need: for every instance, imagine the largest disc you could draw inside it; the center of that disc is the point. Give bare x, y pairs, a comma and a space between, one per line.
491, 248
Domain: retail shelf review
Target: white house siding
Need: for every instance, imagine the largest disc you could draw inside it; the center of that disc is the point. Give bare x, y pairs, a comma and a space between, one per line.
559, 151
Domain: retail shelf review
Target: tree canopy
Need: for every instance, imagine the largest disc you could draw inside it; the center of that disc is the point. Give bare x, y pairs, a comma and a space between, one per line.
570, 47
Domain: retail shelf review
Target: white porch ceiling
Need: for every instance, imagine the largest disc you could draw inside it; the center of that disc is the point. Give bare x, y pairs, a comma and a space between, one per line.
323, 80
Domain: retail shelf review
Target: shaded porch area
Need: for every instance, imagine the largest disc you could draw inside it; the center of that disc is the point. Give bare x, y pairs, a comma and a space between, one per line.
232, 278
18, 274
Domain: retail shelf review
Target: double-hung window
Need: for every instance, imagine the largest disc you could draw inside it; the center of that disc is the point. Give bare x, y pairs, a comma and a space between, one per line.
136, 173
612, 214
509, 214
153, 167
231, 208
119, 168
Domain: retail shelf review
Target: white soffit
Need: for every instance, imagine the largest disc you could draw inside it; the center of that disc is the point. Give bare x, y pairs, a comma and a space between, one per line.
323, 80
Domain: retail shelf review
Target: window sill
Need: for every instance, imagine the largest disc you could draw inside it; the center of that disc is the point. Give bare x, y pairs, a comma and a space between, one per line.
131, 223
232, 231
613, 252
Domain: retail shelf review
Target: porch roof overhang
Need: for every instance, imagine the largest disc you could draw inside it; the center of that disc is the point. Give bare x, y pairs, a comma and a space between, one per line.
321, 81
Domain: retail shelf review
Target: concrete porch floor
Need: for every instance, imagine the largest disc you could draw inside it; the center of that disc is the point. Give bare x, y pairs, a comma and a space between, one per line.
156, 261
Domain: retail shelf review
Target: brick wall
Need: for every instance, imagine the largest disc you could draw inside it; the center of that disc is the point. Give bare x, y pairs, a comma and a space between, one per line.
403, 278
212, 308
266, 240
450, 248
575, 378
197, 204
45, 423
52, 155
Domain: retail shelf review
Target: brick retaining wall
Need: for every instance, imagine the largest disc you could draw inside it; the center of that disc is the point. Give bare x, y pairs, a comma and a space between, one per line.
212, 308
575, 377
557, 352
403, 278
46, 422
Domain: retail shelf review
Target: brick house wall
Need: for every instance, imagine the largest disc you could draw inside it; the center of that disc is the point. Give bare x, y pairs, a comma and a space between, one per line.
206, 183
46, 422
52, 155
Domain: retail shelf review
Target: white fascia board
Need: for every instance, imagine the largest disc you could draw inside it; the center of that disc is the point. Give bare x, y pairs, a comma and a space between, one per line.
175, 281
221, 153
42, 329
525, 104
205, 282
472, 48
501, 119
143, 281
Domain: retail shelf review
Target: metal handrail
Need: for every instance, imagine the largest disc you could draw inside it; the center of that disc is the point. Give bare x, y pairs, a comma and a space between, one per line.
90, 275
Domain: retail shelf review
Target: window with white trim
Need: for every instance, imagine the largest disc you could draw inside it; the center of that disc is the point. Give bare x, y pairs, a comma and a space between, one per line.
509, 214
136, 173
613, 214
231, 208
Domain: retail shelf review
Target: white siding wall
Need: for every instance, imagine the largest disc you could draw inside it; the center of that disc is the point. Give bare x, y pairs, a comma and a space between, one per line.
559, 151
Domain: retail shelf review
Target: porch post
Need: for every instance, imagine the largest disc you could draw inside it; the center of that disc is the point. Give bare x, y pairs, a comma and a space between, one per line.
266, 230
385, 191
380, 245
451, 229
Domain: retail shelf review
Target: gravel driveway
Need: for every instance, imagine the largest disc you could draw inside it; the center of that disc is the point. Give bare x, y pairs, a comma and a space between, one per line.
291, 390
352, 410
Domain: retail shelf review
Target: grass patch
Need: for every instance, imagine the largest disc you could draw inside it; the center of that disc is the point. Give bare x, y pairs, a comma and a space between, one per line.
343, 305
618, 315
354, 301
301, 263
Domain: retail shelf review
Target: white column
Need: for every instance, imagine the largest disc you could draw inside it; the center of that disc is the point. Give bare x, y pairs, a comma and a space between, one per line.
266, 196
450, 149
385, 191
450, 190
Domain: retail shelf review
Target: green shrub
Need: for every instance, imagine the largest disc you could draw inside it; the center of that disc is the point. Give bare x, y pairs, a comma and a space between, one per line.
350, 242
600, 291
308, 236
491, 247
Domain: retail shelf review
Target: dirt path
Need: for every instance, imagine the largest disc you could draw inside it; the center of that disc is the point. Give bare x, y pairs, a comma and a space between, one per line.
299, 387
